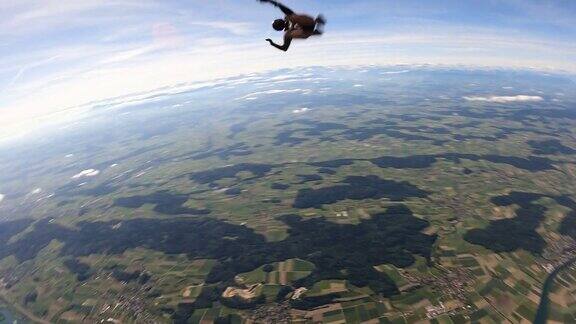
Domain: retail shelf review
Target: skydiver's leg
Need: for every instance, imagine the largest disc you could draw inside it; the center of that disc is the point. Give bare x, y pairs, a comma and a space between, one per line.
300, 34
302, 20
320, 22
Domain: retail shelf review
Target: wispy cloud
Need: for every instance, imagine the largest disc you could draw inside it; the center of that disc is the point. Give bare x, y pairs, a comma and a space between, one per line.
236, 28
272, 92
58, 55
506, 99
86, 174
395, 72
22, 70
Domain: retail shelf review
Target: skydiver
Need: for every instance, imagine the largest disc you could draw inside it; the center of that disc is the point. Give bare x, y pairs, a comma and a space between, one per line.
294, 25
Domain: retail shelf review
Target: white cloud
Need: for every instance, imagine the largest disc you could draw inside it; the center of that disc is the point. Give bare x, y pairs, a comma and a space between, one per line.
22, 70
283, 77
123, 56
1, 197
132, 53
358, 85
86, 174
270, 92
236, 28
506, 99
301, 110
36, 191
26, 16
396, 72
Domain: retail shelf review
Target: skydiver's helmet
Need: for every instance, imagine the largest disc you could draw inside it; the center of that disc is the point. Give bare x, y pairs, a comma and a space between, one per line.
279, 24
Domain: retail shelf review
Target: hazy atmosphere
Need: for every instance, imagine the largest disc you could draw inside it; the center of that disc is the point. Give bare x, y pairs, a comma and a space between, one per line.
310, 161
58, 55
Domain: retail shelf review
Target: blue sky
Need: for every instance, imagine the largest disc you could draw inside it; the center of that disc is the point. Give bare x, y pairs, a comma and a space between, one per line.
59, 54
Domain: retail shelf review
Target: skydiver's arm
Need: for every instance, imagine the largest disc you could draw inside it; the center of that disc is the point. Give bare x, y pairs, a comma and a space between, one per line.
287, 42
287, 11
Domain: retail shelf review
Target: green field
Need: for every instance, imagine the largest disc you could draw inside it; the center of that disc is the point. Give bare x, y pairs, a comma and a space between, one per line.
397, 202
